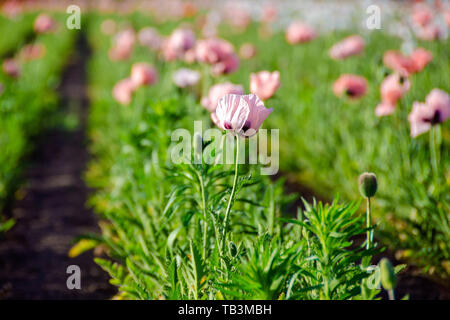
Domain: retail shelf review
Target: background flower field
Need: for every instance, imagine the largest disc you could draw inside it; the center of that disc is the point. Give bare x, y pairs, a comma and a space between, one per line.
164, 228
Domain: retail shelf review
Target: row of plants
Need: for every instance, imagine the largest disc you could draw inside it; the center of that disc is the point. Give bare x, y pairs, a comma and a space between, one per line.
28, 99
207, 231
326, 140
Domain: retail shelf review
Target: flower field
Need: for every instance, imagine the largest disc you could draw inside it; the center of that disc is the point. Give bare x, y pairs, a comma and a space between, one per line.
237, 150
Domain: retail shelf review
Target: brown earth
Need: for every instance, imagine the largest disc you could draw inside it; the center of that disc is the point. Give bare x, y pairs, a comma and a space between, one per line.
52, 211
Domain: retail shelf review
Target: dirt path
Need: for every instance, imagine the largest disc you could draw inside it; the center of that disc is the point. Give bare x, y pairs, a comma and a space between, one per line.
33, 255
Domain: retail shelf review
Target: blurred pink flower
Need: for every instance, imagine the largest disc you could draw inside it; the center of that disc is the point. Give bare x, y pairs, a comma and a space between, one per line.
446, 16
226, 66
219, 53
435, 110
428, 32
350, 46
269, 13
149, 37
247, 51
392, 89
123, 45
213, 50
264, 84
396, 61
439, 101
218, 91
143, 73
241, 114
405, 65
32, 51
43, 23
237, 16
417, 119
351, 85
420, 57
176, 45
186, 77
123, 91
12, 8
298, 32
11, 67
422, 14
108, 27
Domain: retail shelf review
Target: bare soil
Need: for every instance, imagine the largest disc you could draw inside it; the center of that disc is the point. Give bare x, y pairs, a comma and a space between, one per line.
52, 211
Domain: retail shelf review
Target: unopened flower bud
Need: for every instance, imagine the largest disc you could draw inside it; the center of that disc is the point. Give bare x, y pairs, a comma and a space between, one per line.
368, 184
387, 274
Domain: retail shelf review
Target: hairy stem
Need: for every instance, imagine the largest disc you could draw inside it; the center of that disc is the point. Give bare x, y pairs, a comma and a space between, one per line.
391, 294
434, 161
205, 222
368, 222
233, 190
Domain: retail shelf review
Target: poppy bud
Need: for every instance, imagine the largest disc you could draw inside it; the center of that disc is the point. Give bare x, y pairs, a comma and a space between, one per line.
368, 184
233, 249
387, 274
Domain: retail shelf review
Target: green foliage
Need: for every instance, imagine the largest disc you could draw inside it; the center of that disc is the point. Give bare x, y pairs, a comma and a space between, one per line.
164, 223
26, 101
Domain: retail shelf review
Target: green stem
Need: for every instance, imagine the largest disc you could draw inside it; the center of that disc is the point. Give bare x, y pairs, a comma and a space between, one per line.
205, 222
368, 222
434, 163
227, 212
391, 294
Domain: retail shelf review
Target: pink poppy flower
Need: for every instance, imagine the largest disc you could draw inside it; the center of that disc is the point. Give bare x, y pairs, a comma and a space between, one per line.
32, 52
353, 86
446, 16
420, 57
213, 50
418, 119
219, 53
176, 45
123, 91
435, 110
429, 32
350, 46
298, 32
247, 51
11, 67
226, 66
392, 89
438, 101
123, 45
422, 14
12, 8
43, 23
218, 91
143, 73
396, 61
149, 37
189, 9
264, 84
108, 27
186, 77
269, 13
241, 114
237, 16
